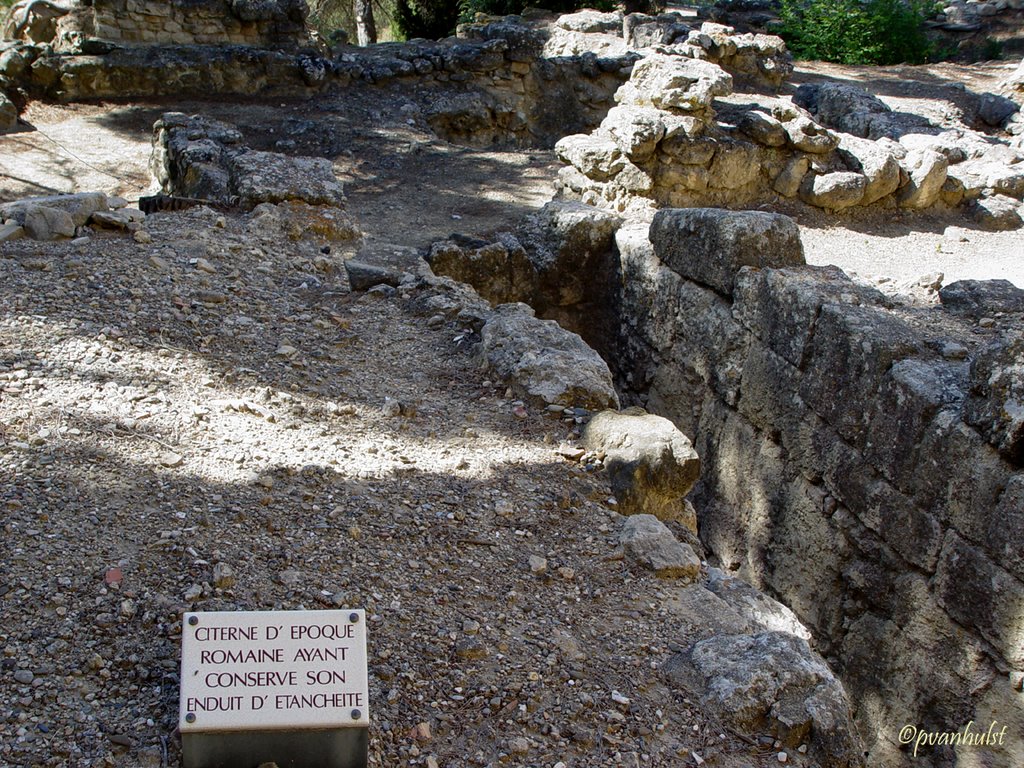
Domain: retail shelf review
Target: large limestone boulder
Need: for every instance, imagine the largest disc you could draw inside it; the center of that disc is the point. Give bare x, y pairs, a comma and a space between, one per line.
875, 161
982, 298
651, 464
997, 213
648, 541
763, 128
542, 360
636, 131
590, 21
586, 32
805, 135
791, 177
846, 108
995, 404
44, 223
833, 191
644, 31
55, 216
270, 177
79, 207
675, 83
711, 245
927, 171
596, 157
762, 611
995, 110
771, 680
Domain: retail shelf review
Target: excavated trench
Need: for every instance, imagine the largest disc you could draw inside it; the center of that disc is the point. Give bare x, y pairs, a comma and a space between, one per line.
839, 474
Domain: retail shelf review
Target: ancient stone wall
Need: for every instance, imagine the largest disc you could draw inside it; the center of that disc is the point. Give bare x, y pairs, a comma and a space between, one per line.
493, 91
78, 25
679, 137
863, 461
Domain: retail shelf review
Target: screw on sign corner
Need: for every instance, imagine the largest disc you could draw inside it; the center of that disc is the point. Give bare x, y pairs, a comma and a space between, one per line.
193, 620
190, 717
356, 714
353, 617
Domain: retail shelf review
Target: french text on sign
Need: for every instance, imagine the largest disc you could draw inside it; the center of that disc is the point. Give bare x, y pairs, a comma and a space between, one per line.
273, 670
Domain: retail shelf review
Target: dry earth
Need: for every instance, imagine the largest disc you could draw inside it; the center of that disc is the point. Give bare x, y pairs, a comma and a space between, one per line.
218, 395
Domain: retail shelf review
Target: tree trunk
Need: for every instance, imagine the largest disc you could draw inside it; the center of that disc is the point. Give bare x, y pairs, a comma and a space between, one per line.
366, 29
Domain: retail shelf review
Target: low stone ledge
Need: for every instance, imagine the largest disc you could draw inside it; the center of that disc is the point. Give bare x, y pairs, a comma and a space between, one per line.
710, 245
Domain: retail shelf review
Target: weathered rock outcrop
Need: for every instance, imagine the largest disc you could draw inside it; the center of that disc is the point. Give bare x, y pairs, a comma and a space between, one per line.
543, 361
860, 460
651, 464
648, 542
772, 681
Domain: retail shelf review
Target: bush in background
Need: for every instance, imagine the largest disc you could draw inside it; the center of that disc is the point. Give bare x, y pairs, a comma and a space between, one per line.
856, 31
432, 19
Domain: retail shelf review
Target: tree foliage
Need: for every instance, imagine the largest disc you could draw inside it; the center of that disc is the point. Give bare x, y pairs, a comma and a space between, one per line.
856, 31
432, 19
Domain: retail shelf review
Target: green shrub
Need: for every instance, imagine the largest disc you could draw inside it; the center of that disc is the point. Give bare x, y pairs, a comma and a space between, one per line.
856, 31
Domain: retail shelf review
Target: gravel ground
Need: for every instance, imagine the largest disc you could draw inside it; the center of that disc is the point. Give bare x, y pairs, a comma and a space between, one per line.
894, 250
217, 396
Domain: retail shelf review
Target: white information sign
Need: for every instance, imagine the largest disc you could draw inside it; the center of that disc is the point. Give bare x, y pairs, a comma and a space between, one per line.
273, 670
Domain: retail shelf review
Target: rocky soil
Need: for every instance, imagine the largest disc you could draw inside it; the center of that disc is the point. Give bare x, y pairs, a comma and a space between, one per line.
205, 417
